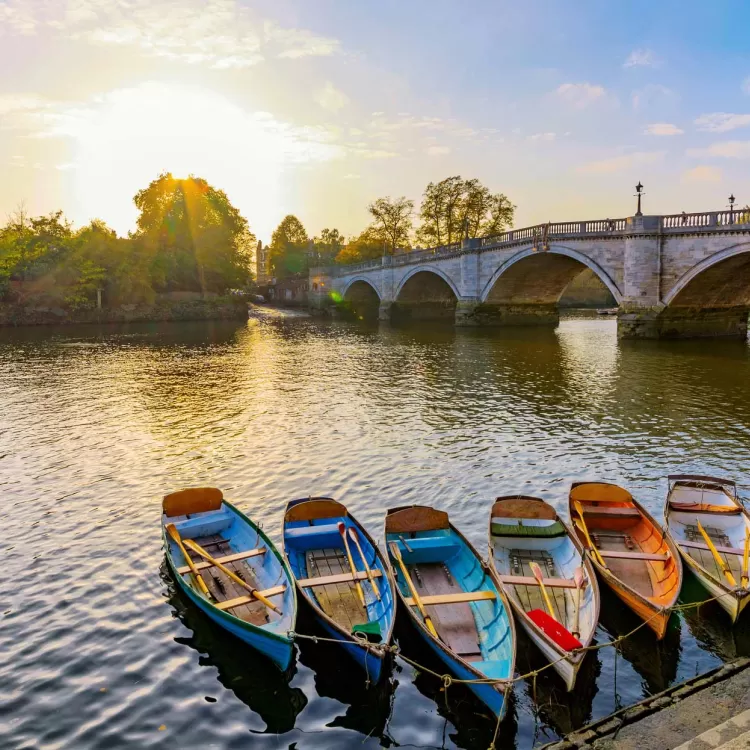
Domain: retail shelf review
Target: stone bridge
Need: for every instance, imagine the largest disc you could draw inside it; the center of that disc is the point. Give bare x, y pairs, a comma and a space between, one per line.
671, 276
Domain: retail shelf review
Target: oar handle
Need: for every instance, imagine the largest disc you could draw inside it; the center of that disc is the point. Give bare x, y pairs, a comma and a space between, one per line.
357, 584
355, 536
414, 595
197, 577
585, 529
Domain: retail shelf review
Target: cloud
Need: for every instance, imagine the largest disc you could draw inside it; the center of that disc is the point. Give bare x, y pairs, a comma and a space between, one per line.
543, 137
297, 43
663, 128
17, 17
10, 103
725, 150
702, 174
746, 85
619, 163
722, 122
653, 94
330, 98
580, 95
641, 58
438, 150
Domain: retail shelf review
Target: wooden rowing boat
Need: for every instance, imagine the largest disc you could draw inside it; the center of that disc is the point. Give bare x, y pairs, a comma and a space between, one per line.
628, 549
524, 531
355, 608
447, 590
200, 516
699, 505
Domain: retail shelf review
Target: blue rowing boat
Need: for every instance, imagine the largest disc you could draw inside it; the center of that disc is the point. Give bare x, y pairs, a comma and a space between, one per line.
455, 601
228, 568
322, 542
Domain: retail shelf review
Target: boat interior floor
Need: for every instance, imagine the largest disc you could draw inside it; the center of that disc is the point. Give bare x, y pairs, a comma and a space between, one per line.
530, 595
222, 587
705, 558
635, 573
455, 622
340, 601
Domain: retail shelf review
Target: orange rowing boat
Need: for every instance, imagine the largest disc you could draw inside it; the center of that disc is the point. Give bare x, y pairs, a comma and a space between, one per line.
629, 550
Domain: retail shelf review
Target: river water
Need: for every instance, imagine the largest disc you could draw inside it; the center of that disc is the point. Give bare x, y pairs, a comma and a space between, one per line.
96, 424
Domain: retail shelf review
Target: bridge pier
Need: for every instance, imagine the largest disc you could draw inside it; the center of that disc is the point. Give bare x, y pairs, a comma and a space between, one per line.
659, 322
487, 314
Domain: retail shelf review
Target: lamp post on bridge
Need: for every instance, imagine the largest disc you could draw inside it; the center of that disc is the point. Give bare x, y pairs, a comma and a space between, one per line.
731, 208
639, 192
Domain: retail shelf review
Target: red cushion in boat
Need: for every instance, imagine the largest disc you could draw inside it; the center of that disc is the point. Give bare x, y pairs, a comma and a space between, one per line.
557, 632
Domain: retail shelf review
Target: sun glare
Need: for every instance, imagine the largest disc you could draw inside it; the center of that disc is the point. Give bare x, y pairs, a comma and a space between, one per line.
125, 139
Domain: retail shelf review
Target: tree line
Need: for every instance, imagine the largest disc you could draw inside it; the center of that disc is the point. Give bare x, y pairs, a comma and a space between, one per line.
451, 210
188, 237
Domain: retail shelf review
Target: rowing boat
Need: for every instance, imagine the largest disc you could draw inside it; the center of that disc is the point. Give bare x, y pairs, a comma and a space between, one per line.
340, 572
628, 549
698, 507
560, 612
228, 568
455, 601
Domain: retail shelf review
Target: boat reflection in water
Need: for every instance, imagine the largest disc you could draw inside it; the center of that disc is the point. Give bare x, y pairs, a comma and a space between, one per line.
253, 678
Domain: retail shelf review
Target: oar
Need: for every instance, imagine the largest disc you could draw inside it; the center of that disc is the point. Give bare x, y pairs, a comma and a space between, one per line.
342, 531
406, 544
354, 536
578, 578
172, 531
585, 530
745, 580
414, 595
537, 571
253, 591
719, 559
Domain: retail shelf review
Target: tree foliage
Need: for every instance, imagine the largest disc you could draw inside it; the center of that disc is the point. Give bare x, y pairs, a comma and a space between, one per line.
454, 209
392, 221
289, 248
328, 245
365, 246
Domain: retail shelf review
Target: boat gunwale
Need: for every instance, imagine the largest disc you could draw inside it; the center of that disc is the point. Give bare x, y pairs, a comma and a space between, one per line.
372, 648
498, 684
574, 657
737, 591
612, 579
226, 614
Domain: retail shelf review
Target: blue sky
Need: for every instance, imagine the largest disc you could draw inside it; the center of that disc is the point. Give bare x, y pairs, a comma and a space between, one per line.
317, 107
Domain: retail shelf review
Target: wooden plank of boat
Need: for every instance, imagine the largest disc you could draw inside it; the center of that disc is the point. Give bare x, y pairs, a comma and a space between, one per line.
339, 578
628, 555
224, 560
703, 545
242, 600
563, 583
591, 510
459, 598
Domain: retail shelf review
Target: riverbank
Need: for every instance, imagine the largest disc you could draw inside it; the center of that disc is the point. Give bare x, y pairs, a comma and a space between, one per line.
218, 308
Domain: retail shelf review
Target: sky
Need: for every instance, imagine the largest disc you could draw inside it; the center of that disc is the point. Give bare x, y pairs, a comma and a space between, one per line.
318, 107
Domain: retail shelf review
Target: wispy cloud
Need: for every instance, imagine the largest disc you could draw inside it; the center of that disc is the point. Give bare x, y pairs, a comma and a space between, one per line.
641, 58
702, 174
580, 95
17, 17
330, 98
725, 150
722, 122
654, 94
620, 163
543, 137
663, 128
296, 43
438, 150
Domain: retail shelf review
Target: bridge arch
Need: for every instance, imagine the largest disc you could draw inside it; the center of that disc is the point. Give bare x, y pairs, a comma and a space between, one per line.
426, 293
540, 277
361, 299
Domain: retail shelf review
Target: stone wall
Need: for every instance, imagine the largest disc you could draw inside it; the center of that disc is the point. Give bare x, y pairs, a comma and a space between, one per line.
220, 308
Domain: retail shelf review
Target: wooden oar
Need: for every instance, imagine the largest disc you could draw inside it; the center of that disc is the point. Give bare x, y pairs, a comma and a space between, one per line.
172, 531
245, 585
357, 584
414, 595
744, 580
585, 530
537, 571
354, 536
406, 544
578, 578
720, 561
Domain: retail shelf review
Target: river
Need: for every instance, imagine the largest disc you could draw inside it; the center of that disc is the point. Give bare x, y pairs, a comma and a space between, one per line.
96, 424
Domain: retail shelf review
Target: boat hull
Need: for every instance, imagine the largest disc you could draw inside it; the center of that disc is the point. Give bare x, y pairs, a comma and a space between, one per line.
655, 618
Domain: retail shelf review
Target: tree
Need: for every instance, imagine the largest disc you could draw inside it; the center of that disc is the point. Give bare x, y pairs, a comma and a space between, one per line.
197, 239
289, 248
453, 209
392, 221
328, 245
366, 246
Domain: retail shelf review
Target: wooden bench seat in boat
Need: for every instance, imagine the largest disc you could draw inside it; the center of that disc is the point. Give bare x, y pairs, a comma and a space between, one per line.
702, 545
684, 507
321, 529
604, 511
627, 555
223, 560
338, 578
459, 598
562, 583
240, 600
